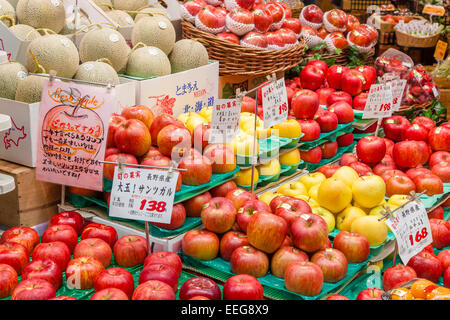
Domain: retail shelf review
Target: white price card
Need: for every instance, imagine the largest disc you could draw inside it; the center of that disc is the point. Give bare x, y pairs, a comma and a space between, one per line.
398, 87
225, 121
143, 194
275, 103
411, 228
379, 102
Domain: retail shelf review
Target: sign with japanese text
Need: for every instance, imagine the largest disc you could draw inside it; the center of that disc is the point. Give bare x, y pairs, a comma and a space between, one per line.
441, 50
411, 228
379, 101
188, 91
225, 121
72, 131
398, 87
275, 103
433, 10
143, 194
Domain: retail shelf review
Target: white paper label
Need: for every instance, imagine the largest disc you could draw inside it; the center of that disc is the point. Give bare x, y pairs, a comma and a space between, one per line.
435, 92
398, 87
379, 102
114, 38
162, 25
143, 194
225, 120
411, 228
275, 104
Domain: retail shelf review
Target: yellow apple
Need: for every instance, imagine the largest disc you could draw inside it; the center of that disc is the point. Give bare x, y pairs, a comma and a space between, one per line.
369, 191
289, 128
346, 217
327, 216
347, 175
396, 200
334, 195
314, 191
366, 210
312, 203
243, 143
193, 122
379, 211
290, 158
244, 177
312, 179
374, 267
293, 189
261, 133
206, 113
268, 196
375, 231
183, 117
271, 168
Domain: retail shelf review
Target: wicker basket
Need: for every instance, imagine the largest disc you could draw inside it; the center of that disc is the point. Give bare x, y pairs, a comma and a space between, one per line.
238, 60
407, 40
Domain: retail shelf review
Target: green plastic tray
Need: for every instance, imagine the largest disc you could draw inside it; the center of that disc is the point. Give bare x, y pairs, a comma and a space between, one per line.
430, 201
325, 136
273, 286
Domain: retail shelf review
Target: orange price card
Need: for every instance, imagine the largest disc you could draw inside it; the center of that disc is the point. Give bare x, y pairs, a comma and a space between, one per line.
441, 49
433, 10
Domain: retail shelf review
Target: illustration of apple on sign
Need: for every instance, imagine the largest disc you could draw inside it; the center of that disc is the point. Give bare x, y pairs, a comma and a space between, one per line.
72, 130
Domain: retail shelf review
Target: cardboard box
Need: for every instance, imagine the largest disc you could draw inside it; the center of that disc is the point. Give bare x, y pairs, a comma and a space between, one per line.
32, 202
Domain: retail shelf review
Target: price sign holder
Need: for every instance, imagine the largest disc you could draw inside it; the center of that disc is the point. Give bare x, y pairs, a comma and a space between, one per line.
225, 122
275, 104
120, 169
411, 227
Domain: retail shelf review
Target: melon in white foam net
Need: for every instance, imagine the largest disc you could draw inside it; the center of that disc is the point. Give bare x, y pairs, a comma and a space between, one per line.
29, 90
188, 54
10, 75
97, 71
42, 14
156, 31
25, 32
148, 61
7, 10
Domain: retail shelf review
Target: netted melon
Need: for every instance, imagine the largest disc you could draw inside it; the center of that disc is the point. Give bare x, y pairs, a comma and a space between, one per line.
105, 5
150, 11
25, 32
148, 62
97, 71
53, 52
105, 43
120, 17
188, 54
156, 31
129, 5
7, 13
48, 14
29, 89
10, 75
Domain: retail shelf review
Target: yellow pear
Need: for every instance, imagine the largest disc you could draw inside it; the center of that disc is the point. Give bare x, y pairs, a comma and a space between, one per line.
345, 218
375, 231
327, 216
290, 158
244, 177
369, 191
334, 195
313, 192
293, 189
271, 168
312, 179
289, 128
347, 175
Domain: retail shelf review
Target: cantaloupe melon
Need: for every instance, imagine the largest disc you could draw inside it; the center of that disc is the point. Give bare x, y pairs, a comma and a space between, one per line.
120, 17
188, 54
25, 32
105, 43
129, 5
6, 9
49, 14
148, 11
53, 52
148, 62
10, 75
105, 5
29, 89
156, 31
97, 71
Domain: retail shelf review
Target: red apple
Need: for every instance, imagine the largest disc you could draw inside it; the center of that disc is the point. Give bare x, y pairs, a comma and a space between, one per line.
266, 231
108, 169
399, 185
81, 272
312, 13
438, 157
223, 189
305, 278
394, 126
389, 146
111, 151
352, 82
336, 297
130, 250
310, 129
71, 218
199, 168
437, 213
371, 149
370, 294
345, 139
309, 232
228, 36
57, 251
139, 112
446, 278
200, 136
283, 257
442, 170
292, 23
46, 269
439, 138
322, 65
34, 289
172, 138
114, 123
247, 210
94, 247
194, 205
160, 122
200, 286
406, 154
211, 19
361, 168
277, 13
329, 169
353, 245
386, 164
329, 149
277, 201
343, 110
334, 76
415, 132
426, 265
115, 277
239, 197
200, 244
305, 103
242, 287
63, 233
230, 241
444, 258
8, 280
370, 76
397, 275
359, 101
415, 172
291, 209
222, 157
161, 272
313, 155
248, 260
328, 121
429, 182
165, 257
101, 231
312, 77
262, 20
348, 158
218, 215
424, 121
153, 290
333, 264
323, 94
133, 136
440, 230
109, 294
255, 40
26, 236
177, 219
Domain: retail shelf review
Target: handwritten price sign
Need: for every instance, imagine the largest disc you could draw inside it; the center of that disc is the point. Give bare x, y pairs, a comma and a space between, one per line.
380, 102
142, 194
275, 104
412, 229
225, 121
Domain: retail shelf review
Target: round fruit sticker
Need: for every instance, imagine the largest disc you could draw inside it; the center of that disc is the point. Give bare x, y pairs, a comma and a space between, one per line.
88, 66
21, 75
153, 51
65, 42
114, 37
162, 25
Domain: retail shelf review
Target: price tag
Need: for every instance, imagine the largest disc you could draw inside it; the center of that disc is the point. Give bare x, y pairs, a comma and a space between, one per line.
433, 10
275, 104
441, 49
143, 194
398, 87
379, 102
225, 121
411, 228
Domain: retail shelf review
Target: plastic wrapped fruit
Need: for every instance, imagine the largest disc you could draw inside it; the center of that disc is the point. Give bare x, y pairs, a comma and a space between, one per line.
335, 20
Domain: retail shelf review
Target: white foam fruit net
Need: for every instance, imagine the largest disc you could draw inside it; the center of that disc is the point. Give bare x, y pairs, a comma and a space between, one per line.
307, 23
238, 28
201, 26
329, 26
